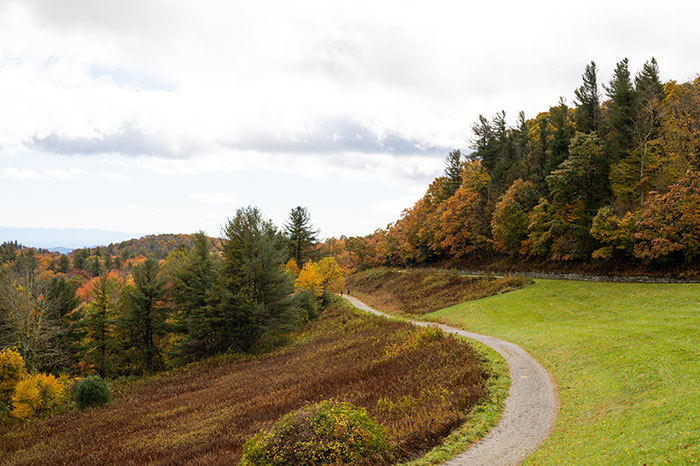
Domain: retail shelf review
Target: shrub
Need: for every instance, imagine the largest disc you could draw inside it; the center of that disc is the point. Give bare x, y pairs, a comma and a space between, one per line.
35, 395
328, 432
418, 337
92, 391
12, 370
307, 305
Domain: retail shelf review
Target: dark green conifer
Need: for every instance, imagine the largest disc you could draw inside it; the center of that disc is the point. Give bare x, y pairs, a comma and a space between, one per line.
146, 317
259, 290
588, 101
453, 173
621, 111
301, 235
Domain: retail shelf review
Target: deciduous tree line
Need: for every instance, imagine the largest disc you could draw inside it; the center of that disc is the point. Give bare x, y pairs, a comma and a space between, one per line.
615, 177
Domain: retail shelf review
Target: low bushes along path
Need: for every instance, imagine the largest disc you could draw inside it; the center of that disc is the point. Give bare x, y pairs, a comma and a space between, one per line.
530, 409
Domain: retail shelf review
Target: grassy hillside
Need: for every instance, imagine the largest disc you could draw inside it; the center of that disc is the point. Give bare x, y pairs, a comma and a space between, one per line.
419, 291
418, 382
626, 358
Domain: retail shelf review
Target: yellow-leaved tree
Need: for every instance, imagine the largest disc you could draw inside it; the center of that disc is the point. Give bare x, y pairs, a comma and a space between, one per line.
292, 267
318, 277
36, 394
332, 278
12, 370
309, 279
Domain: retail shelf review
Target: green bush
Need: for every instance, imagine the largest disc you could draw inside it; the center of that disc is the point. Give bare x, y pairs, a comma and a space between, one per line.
329, 432
92, 391
307, 305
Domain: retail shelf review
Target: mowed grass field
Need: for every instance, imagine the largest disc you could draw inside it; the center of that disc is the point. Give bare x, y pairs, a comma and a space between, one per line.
419, 383
626, 359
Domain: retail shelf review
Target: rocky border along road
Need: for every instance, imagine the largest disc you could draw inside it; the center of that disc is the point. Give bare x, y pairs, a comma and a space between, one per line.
530, 409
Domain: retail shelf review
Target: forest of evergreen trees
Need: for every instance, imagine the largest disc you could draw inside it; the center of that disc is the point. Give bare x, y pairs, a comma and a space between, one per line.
614, 179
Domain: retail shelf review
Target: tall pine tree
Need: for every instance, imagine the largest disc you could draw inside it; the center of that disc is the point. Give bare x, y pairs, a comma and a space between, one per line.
621, 111
301, 235
648, 82
146, 317
99, 324
588, 101
562, 132
453, 173
195, 286
259, 299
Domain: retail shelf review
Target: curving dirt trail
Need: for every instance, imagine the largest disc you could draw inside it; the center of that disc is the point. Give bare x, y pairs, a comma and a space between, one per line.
530, 409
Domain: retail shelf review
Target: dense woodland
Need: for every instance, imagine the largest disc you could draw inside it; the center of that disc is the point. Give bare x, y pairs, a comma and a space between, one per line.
614, 180
144, 305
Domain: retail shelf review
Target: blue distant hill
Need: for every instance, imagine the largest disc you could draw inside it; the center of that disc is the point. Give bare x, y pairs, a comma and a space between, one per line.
62, 240
62, 250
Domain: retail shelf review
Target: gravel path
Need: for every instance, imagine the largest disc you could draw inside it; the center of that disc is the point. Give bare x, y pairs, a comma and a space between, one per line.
530, 409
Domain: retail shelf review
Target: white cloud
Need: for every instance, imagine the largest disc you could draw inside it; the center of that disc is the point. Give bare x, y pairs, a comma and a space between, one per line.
112, 176
46, 174
397, 205
215, 198
61, 174
20, 174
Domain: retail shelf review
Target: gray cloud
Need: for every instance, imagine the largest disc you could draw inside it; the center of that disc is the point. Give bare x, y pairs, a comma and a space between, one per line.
334, 135
128, 140
120, 16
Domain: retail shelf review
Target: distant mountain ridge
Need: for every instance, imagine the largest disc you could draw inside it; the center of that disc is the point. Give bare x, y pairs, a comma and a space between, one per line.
63, 239
61, 249
154, 246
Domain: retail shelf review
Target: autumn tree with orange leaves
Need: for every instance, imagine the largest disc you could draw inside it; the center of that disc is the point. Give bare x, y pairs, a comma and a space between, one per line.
464, 227
670, 223
510, 222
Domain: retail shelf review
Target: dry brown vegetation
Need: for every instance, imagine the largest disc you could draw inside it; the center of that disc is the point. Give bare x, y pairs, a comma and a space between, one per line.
418, 382
422, 291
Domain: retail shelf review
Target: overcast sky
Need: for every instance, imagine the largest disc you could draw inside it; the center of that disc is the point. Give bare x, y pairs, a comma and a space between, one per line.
166, 116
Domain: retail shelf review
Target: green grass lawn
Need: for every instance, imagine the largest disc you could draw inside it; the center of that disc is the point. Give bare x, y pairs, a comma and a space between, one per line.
626, 359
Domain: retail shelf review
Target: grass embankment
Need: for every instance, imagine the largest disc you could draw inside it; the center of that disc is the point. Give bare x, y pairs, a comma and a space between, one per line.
626, 358
419, 383
419, 291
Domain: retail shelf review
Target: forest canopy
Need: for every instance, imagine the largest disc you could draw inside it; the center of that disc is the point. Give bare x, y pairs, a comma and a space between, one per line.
145, 305
615, 177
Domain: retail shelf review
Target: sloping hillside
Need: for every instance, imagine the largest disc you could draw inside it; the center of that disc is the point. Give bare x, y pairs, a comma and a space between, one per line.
422, 290
418, 382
